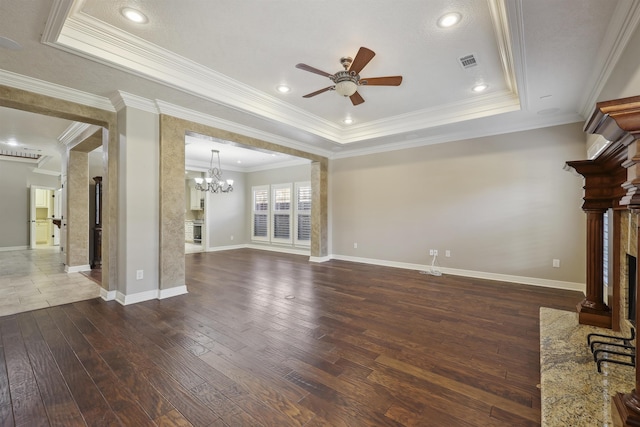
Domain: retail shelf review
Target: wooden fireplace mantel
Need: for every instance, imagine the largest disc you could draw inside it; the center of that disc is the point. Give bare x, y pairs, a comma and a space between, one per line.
612, 180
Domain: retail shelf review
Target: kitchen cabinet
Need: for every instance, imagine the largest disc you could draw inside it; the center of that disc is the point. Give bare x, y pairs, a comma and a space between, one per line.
197, 199
42, 232
188, 231
43, 198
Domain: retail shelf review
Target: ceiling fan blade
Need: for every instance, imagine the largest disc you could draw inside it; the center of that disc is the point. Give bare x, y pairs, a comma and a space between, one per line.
356, 99
318, 92
362, 59
310, 69
382, 81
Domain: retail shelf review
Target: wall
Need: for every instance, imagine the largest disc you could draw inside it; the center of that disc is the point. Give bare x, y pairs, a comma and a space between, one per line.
501, 205
225, 214
15, 179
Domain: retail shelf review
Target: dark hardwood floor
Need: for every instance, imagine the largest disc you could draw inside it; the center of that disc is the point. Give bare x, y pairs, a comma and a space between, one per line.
267, 339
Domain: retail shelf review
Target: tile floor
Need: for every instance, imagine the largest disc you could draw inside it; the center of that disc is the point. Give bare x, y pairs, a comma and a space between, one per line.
35, 278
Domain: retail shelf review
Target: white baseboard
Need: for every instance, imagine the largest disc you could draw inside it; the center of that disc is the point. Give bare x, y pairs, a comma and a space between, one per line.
319, 259
281, 249
107, 295
547, 283
172, 292
136, 298
14, 248
150, 295
76, 268
225, 248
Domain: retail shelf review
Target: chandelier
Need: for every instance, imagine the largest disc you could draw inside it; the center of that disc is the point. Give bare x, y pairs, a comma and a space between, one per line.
213, 182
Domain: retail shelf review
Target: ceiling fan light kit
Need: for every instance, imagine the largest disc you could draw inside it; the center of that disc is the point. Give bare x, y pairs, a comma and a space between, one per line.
346, 82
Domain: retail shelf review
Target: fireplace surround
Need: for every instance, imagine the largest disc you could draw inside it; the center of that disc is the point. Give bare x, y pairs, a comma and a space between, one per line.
612, 181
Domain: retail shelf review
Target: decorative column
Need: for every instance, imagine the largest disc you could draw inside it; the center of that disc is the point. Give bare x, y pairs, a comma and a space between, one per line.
599, 194
592, 310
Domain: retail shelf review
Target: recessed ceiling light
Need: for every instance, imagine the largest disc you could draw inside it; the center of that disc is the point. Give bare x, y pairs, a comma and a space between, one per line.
480, 87
347, 121
134, 15
449, 20
283, 88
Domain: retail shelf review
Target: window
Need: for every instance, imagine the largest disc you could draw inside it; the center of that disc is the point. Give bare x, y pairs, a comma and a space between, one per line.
260, 225
281, 213
303, 213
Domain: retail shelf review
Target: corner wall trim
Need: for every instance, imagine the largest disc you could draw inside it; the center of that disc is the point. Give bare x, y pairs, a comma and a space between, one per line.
546, 283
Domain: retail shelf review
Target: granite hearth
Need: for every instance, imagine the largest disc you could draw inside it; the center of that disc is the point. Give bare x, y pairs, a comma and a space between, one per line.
573, 393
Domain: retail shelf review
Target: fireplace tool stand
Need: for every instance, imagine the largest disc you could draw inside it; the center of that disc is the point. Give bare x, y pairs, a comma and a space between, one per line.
612, 349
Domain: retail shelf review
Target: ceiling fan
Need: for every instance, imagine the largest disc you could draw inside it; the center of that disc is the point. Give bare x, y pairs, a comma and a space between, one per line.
347, 81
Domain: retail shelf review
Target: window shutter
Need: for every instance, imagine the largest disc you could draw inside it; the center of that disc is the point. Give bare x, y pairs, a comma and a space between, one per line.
303, 213
282, 212
260, 229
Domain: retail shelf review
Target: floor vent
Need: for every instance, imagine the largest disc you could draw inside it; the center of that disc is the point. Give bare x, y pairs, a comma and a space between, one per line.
468, 61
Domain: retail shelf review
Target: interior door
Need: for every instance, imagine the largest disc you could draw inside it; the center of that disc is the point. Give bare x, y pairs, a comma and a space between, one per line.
32, 217
57, 213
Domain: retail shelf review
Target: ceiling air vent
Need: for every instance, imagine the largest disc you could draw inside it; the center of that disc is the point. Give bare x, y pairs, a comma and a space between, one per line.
468, 61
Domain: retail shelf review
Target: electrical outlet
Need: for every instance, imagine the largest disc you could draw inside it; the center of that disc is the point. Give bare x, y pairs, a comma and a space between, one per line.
435, 252
232, 237
556, 263
447, 253
139, 274
355, 246
430, 252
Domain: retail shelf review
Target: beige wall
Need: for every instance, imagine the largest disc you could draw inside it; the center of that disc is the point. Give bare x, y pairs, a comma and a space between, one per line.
500, 204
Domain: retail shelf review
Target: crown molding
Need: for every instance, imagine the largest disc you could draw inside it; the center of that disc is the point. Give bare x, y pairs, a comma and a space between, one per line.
623, 24
500, 19
74, 130
488, 105
72, 30
7, 158
502, 128
122, 99
85, 36
59, 13
205, 119
7, 78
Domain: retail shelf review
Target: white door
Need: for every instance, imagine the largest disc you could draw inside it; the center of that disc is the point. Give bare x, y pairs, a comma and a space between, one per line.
41, 198
32, 217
